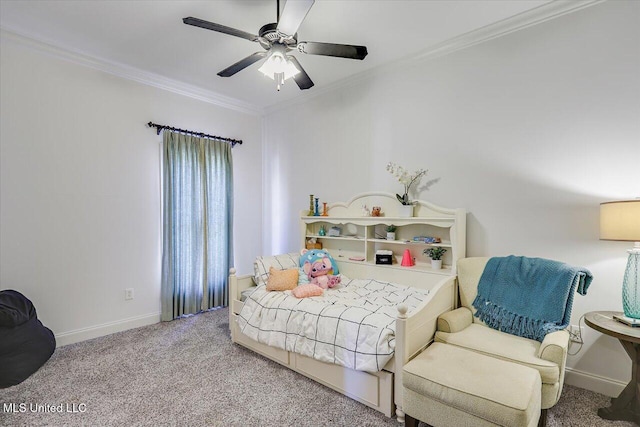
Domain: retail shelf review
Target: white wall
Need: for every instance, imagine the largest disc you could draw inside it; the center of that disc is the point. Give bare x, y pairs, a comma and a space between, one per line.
80, 189
528, 132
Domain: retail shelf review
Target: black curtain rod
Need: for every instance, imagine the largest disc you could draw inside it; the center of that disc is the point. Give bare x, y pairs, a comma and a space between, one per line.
160, 128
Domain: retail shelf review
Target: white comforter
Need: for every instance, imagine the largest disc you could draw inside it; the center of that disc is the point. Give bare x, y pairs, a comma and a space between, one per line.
352, 325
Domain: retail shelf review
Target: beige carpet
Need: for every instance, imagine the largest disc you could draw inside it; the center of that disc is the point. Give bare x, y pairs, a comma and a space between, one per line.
188, 373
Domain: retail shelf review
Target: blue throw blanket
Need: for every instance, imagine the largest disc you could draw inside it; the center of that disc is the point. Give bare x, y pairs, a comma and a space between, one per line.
529, 297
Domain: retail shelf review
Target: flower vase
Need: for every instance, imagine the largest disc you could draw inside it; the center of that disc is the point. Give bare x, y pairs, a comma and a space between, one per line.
405, 211
391, 235
436, 264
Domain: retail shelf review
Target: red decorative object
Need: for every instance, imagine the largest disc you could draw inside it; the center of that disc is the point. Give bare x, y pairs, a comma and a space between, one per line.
407, 261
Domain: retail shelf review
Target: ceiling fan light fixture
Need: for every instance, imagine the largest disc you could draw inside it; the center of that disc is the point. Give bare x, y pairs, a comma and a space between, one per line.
278, 67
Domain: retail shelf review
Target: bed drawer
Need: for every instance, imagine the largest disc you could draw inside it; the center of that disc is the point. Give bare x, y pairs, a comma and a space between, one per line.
372, 389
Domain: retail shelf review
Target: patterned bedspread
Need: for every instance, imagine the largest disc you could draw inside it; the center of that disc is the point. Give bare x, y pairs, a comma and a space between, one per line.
352, 325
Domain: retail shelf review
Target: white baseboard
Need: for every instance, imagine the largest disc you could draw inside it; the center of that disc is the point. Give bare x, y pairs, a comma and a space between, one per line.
602, 385
96, 331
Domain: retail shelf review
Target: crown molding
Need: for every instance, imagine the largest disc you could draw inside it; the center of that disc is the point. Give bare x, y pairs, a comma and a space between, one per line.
529, 18
546, 12
127, 72
538, 15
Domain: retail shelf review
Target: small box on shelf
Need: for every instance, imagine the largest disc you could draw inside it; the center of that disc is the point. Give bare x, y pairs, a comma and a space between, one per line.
384, 257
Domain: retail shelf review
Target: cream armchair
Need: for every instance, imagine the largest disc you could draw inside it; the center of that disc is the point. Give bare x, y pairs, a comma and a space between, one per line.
460, 328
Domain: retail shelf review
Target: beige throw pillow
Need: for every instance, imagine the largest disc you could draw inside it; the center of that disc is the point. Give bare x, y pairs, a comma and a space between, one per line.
280, 262
282, 280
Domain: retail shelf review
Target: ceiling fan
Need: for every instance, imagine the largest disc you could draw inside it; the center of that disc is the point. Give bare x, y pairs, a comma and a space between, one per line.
278, 39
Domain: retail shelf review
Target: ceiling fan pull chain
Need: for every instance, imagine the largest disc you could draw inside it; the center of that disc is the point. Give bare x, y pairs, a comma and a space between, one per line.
279, 77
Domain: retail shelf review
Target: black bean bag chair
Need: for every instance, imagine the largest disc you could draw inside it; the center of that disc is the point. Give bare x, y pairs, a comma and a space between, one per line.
25, 343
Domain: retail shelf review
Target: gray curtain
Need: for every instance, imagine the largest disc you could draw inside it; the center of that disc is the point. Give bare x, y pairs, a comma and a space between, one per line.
197, 224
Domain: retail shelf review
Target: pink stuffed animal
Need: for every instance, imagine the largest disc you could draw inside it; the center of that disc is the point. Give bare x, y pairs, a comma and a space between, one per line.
318, 267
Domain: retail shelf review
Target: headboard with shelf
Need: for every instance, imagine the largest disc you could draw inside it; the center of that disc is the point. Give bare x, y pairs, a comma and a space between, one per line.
361, 236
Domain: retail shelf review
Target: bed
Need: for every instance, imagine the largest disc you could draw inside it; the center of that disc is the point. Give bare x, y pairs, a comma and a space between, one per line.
413, 323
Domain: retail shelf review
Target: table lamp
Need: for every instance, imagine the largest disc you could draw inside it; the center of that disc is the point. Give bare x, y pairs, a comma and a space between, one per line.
621, 221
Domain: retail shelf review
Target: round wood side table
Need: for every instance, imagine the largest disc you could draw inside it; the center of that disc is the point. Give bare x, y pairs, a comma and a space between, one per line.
627, 405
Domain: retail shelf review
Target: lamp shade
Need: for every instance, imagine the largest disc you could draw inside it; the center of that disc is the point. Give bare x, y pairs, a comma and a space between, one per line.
620, 220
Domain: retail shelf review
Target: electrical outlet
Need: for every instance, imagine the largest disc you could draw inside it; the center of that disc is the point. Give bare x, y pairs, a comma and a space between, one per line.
128, 293
576, 333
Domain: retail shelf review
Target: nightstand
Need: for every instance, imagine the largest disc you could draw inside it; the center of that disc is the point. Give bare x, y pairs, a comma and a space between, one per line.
627, 405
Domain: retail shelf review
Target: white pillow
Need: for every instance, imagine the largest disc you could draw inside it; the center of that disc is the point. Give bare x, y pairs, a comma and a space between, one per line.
280, 262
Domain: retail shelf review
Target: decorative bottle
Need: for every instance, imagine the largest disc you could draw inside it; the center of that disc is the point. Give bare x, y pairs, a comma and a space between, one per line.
311, 213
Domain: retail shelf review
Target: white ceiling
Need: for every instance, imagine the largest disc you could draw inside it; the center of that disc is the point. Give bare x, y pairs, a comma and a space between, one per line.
150, 36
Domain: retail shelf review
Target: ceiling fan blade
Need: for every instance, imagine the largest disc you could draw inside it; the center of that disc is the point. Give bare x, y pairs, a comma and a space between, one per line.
242, 64
331, 49
219, 28
293, 14
302, 78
